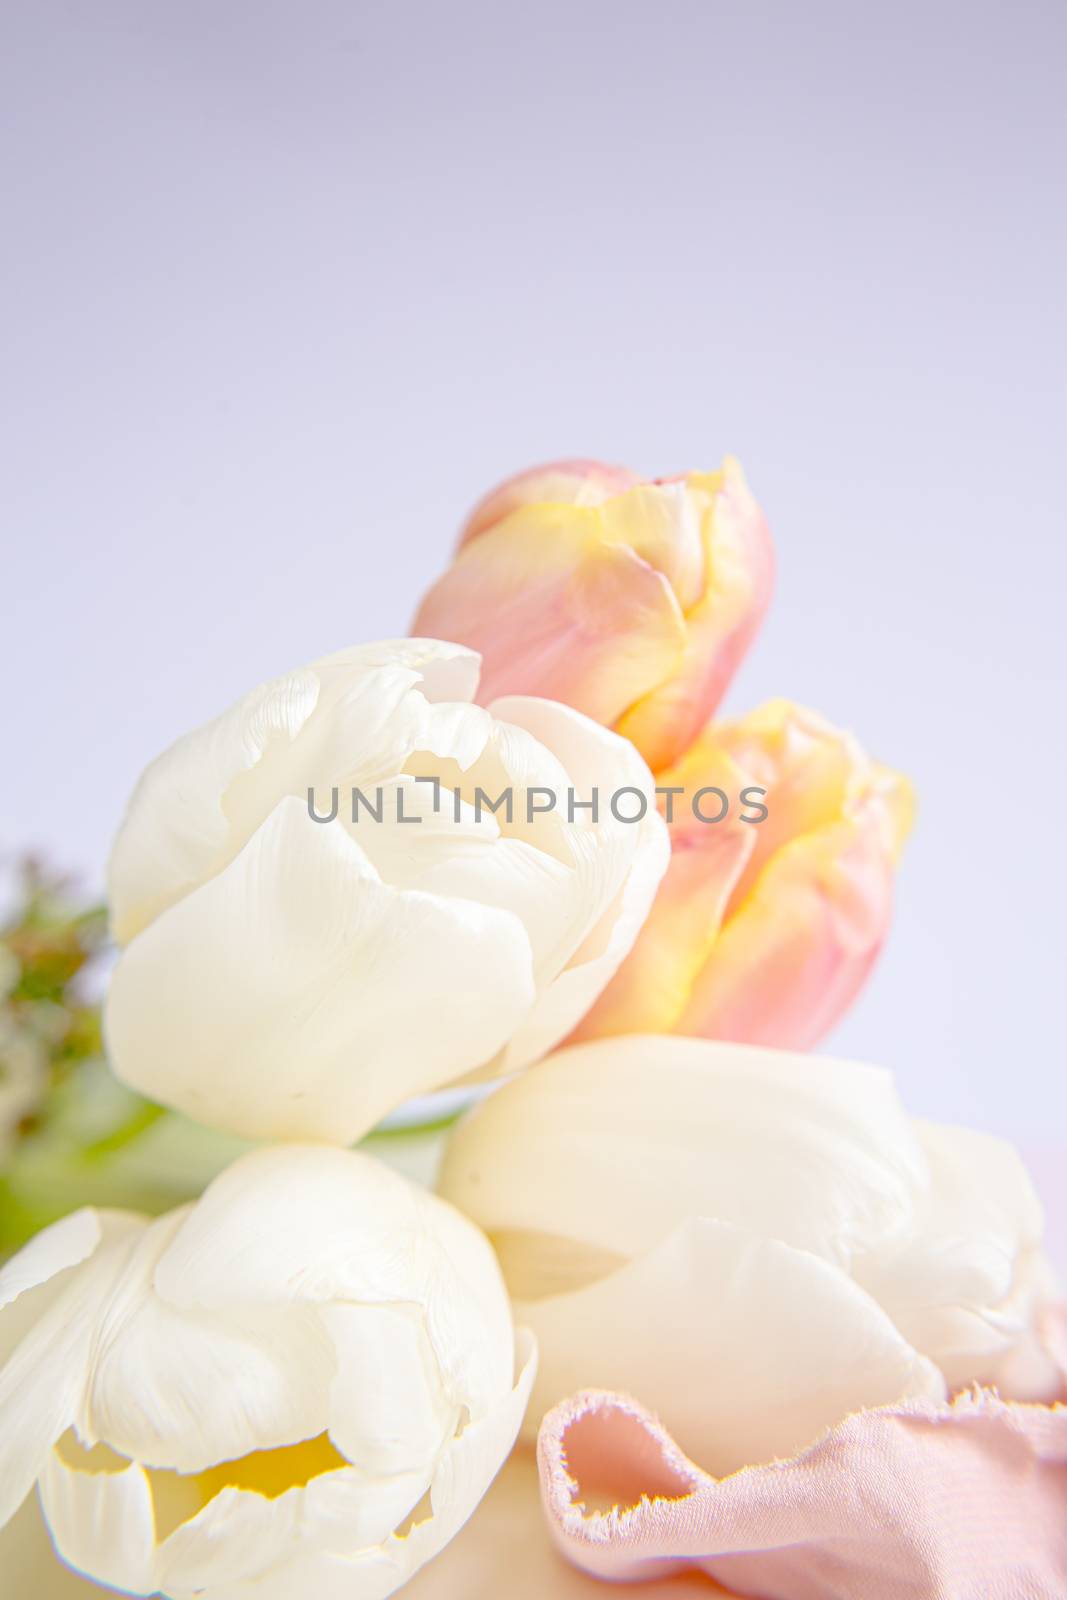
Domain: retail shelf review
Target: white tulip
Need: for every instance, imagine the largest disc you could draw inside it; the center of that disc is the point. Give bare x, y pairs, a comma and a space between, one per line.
300, 1385
286, 978
751, 1242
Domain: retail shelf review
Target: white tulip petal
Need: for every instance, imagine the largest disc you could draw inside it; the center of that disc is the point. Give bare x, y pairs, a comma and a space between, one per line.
552, 901
42, 1384
367, 1565
444, 671
611, 1143
293, 1223
238, 1537
378, 1241
30, 1567
272, 914
363, 731
177, 1390
454, 852
468, 1320
460, 1481
398, 1422
243, 1539
174, 1391
65, 1244
751, 1349
433, 829
463, 1475
43, 1268
592, 756
345, 1511
594, 962
954, 1284
102, 1522
376, 704
621, 862
176, 831
457, 733
190, 1396
198, 803
306, 1021
515, 760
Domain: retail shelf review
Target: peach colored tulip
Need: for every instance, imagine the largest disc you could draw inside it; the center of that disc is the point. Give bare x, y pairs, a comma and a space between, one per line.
764, 932
633, 601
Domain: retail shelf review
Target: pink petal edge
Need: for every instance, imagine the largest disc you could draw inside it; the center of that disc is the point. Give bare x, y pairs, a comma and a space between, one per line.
965, 1501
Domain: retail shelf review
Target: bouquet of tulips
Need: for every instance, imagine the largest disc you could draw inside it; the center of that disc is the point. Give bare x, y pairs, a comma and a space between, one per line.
485, 960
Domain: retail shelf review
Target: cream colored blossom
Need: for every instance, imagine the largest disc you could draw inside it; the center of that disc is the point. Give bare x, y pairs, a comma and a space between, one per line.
301, 1385
753, 1243
288, 978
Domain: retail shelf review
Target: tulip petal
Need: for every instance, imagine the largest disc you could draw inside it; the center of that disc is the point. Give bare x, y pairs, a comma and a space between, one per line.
793, 956
590, 968
573, 482
468, 1319
42, 1269
171, 1389
593, 758
652, 986
176, 832
460, 1482
620, 863
965, 1284
556, 607
65, 1244
446, 672
754, 1348
555, 582
246, 1240
42, 1382
103, 1522
380, 1241
610, 1142
403, 1418
30, 1565
356, 1569
808, 914
239, 1537
920, 1499
200, 801
720, 625
247, 986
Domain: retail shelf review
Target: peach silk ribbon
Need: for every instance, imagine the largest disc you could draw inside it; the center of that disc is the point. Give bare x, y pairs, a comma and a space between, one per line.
919, 1501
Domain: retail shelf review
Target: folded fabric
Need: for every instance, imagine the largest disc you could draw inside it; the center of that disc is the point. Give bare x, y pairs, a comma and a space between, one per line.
917, 1501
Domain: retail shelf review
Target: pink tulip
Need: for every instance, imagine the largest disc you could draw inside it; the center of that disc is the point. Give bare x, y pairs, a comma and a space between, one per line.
633, 601
764, 932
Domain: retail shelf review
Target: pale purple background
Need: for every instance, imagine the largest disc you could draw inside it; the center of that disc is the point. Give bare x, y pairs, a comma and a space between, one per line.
287, 285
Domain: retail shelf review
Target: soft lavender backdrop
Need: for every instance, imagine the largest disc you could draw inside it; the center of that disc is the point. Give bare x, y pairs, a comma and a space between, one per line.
287, 285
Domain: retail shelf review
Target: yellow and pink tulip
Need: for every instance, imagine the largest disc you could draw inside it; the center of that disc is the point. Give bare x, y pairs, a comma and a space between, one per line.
764, 932
633, 601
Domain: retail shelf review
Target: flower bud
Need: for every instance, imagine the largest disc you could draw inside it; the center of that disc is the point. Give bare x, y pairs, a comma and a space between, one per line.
765, 928
324, 916
752, 1243
632, 601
